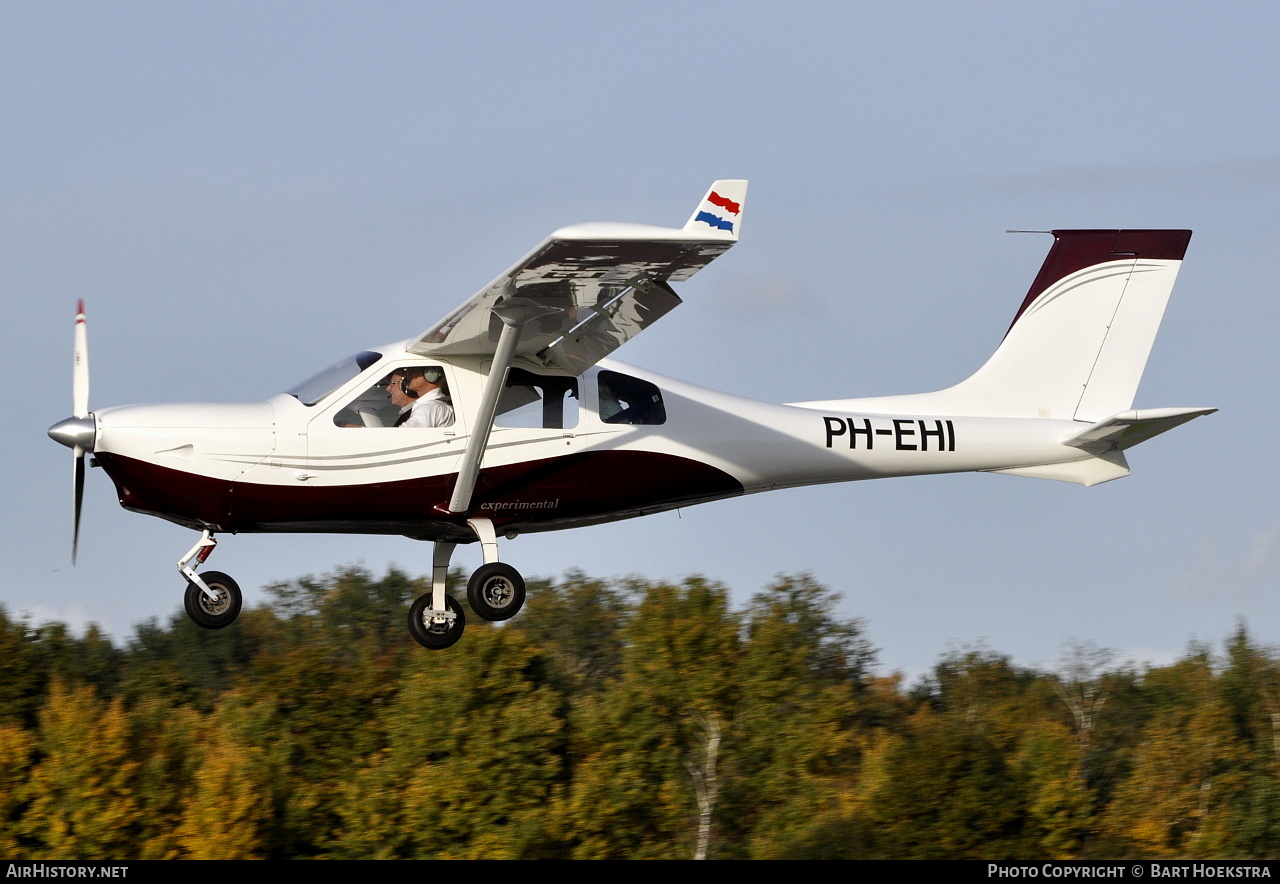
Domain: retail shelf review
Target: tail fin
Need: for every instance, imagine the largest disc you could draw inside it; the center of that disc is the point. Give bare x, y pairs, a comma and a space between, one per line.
720, 211
1078, 345
1075, 352
1079, 342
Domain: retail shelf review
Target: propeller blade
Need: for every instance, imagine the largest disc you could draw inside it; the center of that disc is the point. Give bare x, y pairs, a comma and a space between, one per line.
79, 499
80, 409
80, 371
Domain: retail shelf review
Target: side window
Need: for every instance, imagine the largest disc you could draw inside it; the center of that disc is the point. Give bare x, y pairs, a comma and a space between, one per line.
383, 404
538, 401
628, 400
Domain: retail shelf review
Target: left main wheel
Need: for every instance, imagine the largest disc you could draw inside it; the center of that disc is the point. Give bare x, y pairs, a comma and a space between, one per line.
218, 612
428, 633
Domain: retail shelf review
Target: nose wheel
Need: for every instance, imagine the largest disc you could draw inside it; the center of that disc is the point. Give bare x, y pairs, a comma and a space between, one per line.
213, 600
218, 610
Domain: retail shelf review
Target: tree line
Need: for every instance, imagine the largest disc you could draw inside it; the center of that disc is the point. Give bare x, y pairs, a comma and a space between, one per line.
617, 719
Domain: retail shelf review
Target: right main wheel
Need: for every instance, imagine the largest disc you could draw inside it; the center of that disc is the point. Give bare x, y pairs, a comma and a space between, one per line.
496, 591
428, 633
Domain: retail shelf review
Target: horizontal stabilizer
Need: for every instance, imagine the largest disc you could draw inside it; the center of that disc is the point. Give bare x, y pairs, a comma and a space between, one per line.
1127, 428
1087, 471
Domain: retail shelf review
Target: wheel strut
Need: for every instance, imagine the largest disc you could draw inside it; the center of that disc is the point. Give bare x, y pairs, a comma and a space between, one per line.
203, 547
215, 602
435, 620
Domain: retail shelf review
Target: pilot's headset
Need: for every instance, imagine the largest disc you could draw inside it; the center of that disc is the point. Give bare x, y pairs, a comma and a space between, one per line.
432, 375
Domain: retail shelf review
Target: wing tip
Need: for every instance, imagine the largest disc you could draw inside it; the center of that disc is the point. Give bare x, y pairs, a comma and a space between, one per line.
719, 214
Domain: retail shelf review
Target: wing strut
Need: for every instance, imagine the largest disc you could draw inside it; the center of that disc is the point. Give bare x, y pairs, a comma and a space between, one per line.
514, 317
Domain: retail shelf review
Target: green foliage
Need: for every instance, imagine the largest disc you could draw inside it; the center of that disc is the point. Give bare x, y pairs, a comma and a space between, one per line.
17, 746
631, 794
803, 673
475, 751
184, 664
579, 622
617, 719
23, 675
983, 812
1058, 804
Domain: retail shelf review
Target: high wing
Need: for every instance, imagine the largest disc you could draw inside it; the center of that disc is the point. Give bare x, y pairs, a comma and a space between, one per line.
590, 288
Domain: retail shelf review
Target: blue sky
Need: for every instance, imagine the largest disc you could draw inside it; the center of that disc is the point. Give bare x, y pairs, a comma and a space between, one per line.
245, 192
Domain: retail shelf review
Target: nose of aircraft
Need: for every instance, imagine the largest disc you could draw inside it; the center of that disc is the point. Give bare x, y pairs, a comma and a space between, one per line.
74, 432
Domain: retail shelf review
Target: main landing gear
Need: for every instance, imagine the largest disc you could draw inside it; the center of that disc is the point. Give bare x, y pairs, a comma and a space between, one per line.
495, 592
212, 600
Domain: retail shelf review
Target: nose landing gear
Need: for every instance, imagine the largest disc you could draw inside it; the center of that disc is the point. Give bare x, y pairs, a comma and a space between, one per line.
214, 599
218, 610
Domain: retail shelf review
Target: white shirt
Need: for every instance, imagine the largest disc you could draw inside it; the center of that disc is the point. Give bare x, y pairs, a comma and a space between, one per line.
430, 411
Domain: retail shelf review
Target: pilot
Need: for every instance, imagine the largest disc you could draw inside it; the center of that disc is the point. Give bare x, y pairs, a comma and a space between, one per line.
399, 398
425, 387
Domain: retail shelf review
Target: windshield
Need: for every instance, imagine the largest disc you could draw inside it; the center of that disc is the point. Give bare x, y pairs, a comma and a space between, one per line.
318, 386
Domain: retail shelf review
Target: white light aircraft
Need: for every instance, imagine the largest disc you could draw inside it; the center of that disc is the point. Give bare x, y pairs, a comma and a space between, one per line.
517, 420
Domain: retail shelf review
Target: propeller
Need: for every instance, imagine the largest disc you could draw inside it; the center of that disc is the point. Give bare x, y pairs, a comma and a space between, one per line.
77, 432
80, 376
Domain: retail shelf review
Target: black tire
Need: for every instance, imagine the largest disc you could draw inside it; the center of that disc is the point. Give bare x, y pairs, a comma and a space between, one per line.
435, 636
213, 613
496, 591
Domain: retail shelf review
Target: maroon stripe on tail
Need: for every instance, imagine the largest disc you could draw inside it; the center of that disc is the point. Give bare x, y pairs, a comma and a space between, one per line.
1074, 250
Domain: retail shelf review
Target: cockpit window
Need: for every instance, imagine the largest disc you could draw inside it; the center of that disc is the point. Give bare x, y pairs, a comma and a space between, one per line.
390, 402
538, 401
316, 387
628, 400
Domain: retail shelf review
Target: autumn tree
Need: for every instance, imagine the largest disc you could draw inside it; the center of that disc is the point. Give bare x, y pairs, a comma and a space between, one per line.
794, 732
1188, 768
474, 756
579, 622
632, 794
83, 804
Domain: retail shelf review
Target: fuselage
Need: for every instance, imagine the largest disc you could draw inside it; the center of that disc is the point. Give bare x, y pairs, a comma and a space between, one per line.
613, 443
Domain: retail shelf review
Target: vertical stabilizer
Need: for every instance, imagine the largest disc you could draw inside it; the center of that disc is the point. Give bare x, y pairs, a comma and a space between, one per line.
1080, 341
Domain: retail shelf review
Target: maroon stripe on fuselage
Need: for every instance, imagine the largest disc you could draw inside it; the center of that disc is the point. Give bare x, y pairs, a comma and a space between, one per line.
1074, 250
589, 486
